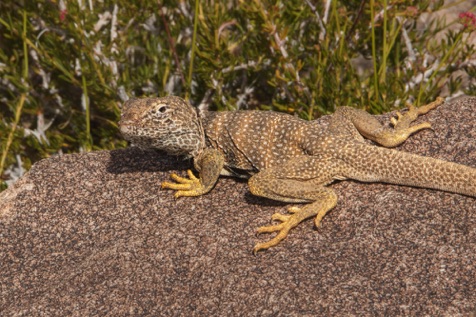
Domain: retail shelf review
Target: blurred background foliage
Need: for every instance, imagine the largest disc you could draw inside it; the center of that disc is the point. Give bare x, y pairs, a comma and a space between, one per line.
66, 66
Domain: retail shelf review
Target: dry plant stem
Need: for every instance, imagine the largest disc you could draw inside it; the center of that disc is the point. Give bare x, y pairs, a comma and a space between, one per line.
21, 102
282, 49
356, 21
5, 150
408, 43
326, 11
374, 52
171, 43
393, 34
385, 48
194, 46
424, 87
323, 32
88, 144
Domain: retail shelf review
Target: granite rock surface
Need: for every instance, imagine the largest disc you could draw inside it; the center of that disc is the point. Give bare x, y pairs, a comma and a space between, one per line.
93, 234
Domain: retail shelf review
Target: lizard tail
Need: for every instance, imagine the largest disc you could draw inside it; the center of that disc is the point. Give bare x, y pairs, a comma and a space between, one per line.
401, 168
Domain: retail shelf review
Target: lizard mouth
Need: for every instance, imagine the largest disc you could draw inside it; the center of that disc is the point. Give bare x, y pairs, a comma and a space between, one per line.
124, 128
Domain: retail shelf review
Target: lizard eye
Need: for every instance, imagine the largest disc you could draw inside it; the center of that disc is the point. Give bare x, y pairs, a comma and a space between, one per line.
162, 109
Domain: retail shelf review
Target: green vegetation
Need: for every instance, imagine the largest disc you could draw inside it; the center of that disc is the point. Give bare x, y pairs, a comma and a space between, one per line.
67, 65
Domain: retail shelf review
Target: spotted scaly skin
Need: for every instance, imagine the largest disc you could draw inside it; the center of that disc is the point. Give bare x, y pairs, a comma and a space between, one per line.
286, 158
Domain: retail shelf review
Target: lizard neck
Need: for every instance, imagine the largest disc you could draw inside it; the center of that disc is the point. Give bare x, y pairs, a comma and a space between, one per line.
195, 153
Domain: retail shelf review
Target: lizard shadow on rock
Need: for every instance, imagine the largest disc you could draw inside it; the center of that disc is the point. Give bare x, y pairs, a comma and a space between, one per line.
262, 201
134, 159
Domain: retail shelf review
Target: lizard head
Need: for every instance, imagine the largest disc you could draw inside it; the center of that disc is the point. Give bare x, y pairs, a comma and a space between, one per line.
170, 124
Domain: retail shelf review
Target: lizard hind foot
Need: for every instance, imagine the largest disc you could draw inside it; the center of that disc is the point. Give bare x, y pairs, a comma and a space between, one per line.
282, 228
325, 201
402, 128
287, 222
403, 121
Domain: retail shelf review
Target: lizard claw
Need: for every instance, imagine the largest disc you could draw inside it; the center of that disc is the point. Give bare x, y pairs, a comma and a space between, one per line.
190, 186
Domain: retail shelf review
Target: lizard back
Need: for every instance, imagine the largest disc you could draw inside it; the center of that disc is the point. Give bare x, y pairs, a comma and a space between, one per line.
254, 140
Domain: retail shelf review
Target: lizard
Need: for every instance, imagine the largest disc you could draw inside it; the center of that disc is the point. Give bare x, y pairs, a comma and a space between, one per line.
286, 158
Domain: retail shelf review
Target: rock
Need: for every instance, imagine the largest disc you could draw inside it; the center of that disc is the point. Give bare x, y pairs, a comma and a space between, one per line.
92, 234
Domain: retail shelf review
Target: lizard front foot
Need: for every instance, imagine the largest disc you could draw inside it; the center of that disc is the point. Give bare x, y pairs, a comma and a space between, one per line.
190, 186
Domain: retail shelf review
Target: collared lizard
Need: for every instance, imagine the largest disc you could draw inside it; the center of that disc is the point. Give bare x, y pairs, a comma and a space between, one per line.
286, 158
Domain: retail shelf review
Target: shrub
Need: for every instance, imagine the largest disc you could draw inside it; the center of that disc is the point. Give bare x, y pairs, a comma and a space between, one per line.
67, 65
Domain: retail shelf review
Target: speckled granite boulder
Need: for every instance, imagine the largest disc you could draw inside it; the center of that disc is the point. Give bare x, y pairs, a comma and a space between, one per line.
92, 234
